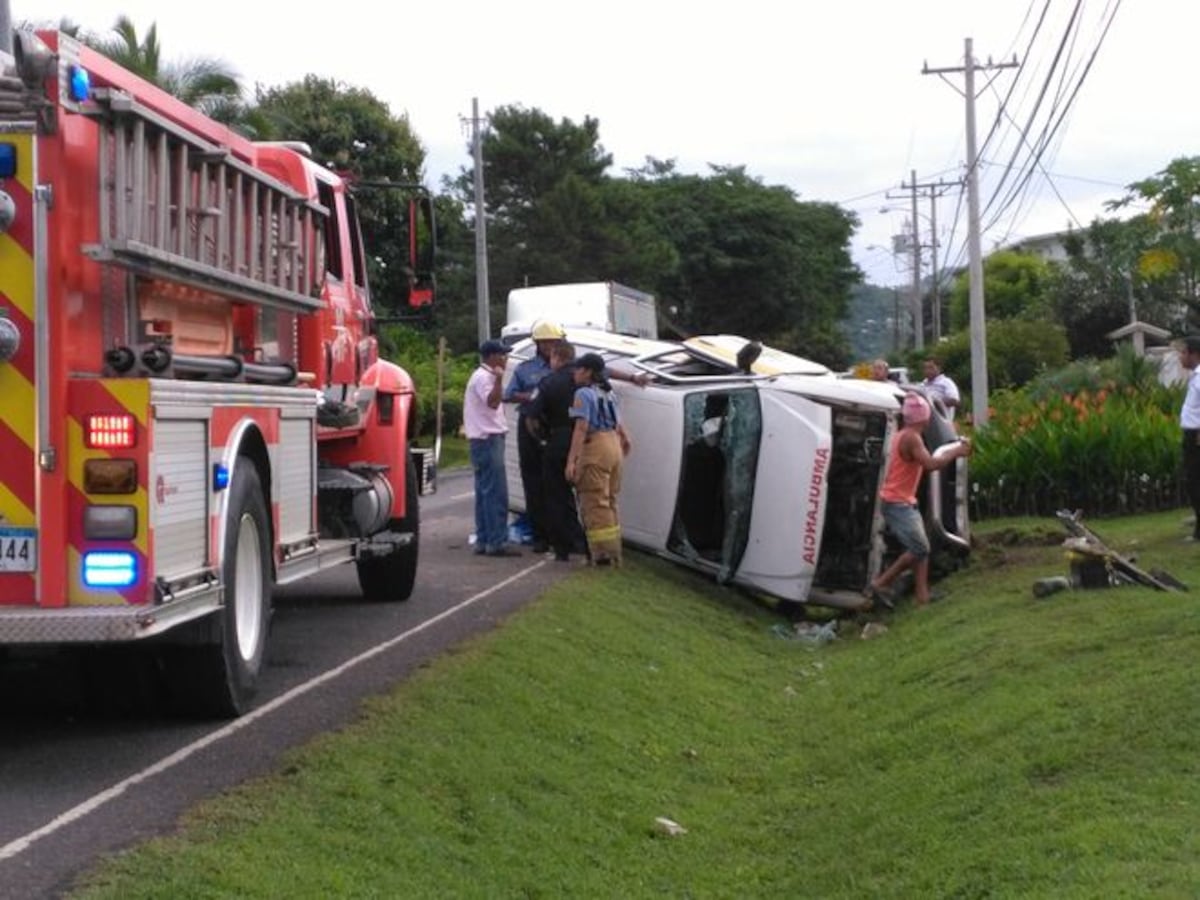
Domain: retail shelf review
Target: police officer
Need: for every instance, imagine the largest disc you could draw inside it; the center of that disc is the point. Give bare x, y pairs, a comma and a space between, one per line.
521, 390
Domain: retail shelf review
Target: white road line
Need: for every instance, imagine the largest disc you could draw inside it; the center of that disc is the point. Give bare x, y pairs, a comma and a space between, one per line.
463, 496
13, 848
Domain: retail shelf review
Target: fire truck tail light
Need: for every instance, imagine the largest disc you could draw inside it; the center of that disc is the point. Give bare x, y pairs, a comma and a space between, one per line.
109, 476
110, 523
110, 432
105, 568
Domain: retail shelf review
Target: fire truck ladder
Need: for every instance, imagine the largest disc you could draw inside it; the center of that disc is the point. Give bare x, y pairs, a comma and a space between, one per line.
176, 206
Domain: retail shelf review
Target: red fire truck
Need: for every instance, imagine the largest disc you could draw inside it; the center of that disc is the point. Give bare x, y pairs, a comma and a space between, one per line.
192, 404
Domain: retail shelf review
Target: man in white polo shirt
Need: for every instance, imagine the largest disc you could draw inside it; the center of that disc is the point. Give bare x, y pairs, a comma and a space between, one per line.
483, 421
1189, 422
939, 384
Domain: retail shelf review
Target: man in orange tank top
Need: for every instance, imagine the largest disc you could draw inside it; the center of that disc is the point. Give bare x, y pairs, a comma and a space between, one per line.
909, 460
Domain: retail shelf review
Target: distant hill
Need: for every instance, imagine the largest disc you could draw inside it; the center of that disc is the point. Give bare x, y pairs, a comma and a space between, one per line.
870, 324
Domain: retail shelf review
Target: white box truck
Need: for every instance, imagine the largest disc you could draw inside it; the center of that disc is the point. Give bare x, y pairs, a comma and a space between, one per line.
597, 305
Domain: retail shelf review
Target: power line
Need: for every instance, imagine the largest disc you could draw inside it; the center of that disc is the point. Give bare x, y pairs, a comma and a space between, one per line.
1031, 154
1023, 140
1054, 123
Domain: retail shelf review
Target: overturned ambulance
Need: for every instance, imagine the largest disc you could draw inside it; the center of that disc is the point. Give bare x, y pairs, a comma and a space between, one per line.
764, 472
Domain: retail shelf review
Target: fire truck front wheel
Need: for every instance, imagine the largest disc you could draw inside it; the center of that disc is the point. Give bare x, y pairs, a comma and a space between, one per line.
220, 677
391, 578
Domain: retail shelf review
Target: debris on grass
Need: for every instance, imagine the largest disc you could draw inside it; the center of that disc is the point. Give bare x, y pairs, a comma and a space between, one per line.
811, 634
669, 827
1094, 564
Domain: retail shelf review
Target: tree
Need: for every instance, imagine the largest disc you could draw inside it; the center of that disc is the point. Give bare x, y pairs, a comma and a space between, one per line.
205, 83
1173, 258
1102, 287
454, 316
754, 260
721, 252
353, 132
1016, 285
526, 154
553, 215
1017, 352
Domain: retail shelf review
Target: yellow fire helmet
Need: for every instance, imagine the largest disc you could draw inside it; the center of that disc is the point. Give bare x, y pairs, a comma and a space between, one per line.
545, 330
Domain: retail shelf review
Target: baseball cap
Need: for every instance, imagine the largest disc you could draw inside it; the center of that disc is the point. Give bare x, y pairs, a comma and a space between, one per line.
487, 348
592, 361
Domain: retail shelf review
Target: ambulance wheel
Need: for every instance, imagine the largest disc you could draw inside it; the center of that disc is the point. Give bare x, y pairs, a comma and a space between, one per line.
220, 677
391, 578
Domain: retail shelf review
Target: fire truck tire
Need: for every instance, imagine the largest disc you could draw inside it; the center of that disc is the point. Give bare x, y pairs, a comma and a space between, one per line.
220, 678
391, 578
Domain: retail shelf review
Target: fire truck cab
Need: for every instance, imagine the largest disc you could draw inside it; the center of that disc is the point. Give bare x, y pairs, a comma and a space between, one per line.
194, 407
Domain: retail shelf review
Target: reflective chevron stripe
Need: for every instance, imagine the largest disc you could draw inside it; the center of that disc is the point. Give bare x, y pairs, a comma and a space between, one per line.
18, 409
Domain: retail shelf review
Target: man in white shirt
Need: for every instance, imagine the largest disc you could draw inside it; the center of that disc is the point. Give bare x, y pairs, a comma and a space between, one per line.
1189, 423
483, 421
939, 384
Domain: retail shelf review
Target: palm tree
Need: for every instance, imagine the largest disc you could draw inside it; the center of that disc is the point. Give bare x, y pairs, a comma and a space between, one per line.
205, 83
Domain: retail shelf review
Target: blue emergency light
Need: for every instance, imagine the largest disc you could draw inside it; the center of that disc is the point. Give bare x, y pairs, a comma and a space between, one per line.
8, 160
80, 84
107, 568
220, 476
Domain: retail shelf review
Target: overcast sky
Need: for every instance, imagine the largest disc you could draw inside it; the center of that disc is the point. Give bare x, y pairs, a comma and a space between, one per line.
828, 99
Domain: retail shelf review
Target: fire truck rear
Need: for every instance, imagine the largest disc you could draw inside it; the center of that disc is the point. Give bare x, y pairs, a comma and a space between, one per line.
192, 404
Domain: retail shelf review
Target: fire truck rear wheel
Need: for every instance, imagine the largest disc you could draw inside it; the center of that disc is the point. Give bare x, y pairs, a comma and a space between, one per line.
391, 578
220, 678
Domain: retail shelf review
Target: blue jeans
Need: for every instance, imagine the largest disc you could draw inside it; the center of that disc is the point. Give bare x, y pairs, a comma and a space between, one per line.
491, 493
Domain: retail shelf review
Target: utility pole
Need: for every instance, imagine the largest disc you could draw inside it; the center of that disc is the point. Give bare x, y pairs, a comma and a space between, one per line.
979, 375
933, 190
481, 261
912, 243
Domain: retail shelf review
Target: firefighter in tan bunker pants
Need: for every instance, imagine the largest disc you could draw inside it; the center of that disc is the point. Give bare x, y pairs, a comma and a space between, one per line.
599, 443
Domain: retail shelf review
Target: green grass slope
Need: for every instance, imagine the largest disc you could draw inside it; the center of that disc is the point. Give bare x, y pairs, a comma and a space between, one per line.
992, 745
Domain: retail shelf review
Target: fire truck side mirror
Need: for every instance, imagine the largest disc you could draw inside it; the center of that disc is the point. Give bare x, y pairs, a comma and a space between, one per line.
422, 251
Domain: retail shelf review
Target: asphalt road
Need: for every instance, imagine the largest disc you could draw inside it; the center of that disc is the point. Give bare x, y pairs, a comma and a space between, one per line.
91, 760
